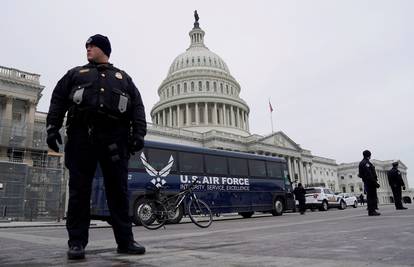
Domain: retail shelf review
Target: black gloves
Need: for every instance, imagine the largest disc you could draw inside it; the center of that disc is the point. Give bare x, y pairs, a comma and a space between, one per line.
53, 136
403, 188
136, 143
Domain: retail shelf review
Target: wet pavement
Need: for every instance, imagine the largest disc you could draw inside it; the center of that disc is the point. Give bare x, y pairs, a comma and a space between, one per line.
333, 238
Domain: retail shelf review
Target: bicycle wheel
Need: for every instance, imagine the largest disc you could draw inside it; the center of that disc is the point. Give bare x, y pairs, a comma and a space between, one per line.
200, 213
152, 214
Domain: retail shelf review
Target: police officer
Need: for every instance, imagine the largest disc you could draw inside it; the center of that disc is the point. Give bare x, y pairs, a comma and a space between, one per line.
299, 193
369, 177
105, 123
396, 182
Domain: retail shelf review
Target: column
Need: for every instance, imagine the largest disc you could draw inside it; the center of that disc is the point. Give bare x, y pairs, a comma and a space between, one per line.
187, 115
231, 116
31, 108
158, 118
247, 122
171, 117
311, 171
238, 117
243, 122
164, 120
178, 116
295, 169
224, 115
292, 178
301, 172
215, 113
205, 113
7, 118
197, 118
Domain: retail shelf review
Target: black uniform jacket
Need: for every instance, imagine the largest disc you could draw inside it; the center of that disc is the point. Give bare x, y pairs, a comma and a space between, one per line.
394, 178
367, 171
97, 91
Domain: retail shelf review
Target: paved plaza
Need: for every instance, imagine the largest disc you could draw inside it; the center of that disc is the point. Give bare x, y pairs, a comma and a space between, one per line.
334, 238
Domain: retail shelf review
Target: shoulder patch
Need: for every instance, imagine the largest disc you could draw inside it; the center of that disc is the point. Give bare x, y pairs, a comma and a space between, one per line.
367, 165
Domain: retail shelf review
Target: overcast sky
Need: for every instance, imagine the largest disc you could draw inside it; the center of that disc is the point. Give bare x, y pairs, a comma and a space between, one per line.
340, 74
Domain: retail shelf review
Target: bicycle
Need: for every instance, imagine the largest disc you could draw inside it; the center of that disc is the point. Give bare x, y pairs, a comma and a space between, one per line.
155, 212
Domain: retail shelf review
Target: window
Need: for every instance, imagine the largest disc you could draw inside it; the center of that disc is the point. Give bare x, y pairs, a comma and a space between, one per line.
342, 177
216, 165
192, 86
178, 89
343, 189
208, 86
238, 167
274, 169
350, 176
159, 159
191, 162
257, 168
135, 161
215, 86
185, 87
200, 86
17, 116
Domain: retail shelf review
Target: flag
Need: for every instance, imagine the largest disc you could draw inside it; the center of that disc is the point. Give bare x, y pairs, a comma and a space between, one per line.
270, 106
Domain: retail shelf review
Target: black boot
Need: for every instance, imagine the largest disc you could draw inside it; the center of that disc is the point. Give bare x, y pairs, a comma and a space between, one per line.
374, 213
132, 248
76, 253
401, 208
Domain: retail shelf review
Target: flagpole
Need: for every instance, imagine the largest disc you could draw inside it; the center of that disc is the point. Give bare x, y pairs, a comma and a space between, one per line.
271, 115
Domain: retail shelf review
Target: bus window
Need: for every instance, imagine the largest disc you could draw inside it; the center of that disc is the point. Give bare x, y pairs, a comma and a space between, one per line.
274, 170
135, 161
190, 163
159, 158
257, 168
238, 167
216, 165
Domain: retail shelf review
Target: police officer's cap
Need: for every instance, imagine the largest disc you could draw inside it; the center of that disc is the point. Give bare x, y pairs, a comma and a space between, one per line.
395, 163
100, 41
366, 153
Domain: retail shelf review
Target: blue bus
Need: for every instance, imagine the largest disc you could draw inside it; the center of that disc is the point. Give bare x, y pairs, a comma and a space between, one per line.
229, 182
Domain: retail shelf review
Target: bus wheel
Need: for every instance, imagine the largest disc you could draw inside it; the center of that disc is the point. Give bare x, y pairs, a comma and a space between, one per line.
277, 207
246, 214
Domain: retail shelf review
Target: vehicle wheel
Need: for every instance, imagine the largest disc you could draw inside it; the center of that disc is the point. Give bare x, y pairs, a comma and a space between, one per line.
135, 218
200, 213
247, 214
174, 216
152, 214
277, 207
342, 205
355, 204
324, 206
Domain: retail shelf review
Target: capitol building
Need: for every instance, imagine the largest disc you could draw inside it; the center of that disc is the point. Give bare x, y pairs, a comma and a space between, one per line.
199, 105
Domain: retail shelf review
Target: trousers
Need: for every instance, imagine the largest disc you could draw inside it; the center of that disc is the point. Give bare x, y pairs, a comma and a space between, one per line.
372, 198
82, 155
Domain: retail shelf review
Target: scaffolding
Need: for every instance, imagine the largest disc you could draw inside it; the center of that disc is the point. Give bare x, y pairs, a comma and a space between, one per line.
33, 179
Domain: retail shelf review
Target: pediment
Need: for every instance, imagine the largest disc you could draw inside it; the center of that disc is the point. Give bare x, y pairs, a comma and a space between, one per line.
281, 140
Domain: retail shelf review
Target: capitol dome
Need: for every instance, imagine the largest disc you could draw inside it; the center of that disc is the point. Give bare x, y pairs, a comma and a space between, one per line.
199, 93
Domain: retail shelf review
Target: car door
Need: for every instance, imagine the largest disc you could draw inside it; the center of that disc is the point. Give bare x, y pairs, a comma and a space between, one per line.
330, 196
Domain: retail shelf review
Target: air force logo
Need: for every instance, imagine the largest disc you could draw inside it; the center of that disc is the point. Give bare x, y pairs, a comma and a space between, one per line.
158, 179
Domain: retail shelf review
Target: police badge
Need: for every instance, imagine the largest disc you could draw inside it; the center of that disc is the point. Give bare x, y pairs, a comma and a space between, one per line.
118, 75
